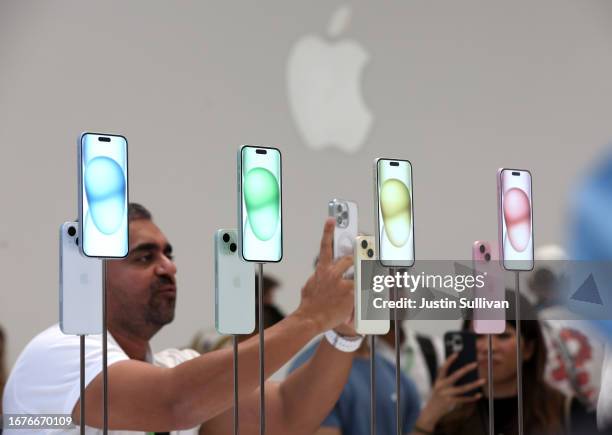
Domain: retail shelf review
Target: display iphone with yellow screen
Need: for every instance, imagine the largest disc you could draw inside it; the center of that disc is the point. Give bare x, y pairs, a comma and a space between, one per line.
103, 195
515, 213
260, 204
394, 215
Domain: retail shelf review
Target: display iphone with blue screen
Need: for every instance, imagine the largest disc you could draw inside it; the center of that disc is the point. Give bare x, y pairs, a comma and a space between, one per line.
103, 195
394, 212
260, 204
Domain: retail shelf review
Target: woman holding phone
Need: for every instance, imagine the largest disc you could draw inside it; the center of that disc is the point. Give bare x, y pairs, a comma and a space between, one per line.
463, 409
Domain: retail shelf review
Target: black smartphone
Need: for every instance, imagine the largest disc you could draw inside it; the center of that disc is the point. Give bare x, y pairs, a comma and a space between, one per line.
464, 344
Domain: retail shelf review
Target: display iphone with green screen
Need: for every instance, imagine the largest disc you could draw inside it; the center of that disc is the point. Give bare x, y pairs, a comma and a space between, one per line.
394, 212
260, 204
103, 195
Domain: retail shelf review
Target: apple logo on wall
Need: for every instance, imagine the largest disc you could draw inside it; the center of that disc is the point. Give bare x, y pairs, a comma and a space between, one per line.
324, 88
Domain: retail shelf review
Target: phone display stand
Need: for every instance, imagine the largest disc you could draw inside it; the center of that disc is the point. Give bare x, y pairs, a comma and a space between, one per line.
372, 384
104, 354
519, 353
490, 386
235, 356
82, 384
260, 324
396, 326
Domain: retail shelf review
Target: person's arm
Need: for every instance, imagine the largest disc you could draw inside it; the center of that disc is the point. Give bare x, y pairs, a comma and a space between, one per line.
297, 405
145, 397
328, 431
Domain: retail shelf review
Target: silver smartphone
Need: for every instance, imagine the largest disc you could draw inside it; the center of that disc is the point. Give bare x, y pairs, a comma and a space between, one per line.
366, 267
80, 286
346, 216
394, 212
234, 286
103, 195
260, 204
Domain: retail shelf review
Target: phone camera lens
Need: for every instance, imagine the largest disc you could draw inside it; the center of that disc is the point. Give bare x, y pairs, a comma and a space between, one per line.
364, 244
345, 214
226, 237
339, 220
487, 257
482, 249
71, 231
370, 253
233, 247
339, 208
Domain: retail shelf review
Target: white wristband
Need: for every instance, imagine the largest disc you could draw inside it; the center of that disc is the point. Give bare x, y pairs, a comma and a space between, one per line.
343, 344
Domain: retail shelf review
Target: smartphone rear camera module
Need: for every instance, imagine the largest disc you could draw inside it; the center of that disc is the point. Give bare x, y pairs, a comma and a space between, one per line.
71, 231
370, 253
456, 343
233, 247
364, 244
226, 237
487, 257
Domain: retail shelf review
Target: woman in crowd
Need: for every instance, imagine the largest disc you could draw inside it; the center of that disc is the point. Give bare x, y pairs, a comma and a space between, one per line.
459, 410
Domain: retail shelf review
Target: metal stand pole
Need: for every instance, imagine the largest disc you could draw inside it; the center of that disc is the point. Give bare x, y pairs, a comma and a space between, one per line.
398, 400
235, 346
372, 385
104, 353
262, 391
519, 354
82, 398
490, 376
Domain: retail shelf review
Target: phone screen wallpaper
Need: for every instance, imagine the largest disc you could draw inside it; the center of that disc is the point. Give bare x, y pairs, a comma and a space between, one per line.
104, 168
517, 222
261, 204
395, 217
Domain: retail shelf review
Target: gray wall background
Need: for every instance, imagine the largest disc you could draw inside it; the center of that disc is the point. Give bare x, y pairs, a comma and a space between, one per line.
459, 88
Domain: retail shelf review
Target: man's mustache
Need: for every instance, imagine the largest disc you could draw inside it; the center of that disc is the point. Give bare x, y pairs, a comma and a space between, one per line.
162, 281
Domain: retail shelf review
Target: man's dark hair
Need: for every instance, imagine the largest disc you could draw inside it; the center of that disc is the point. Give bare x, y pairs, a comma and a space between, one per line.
138, 211
269, 283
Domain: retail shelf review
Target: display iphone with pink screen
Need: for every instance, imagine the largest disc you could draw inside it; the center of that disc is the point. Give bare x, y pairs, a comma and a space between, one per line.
488, 320
515, 211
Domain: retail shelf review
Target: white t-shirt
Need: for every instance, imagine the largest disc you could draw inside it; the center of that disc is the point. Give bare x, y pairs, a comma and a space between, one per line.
46, 377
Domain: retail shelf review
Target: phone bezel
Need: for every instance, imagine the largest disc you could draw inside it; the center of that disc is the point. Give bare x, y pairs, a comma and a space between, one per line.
240, 200
80, 191
393, 263
500, 221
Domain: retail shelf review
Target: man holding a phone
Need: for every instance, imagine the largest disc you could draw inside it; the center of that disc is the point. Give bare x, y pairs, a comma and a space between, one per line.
180, 390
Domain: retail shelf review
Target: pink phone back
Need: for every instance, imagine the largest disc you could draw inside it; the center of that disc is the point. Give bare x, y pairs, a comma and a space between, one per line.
488, 320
